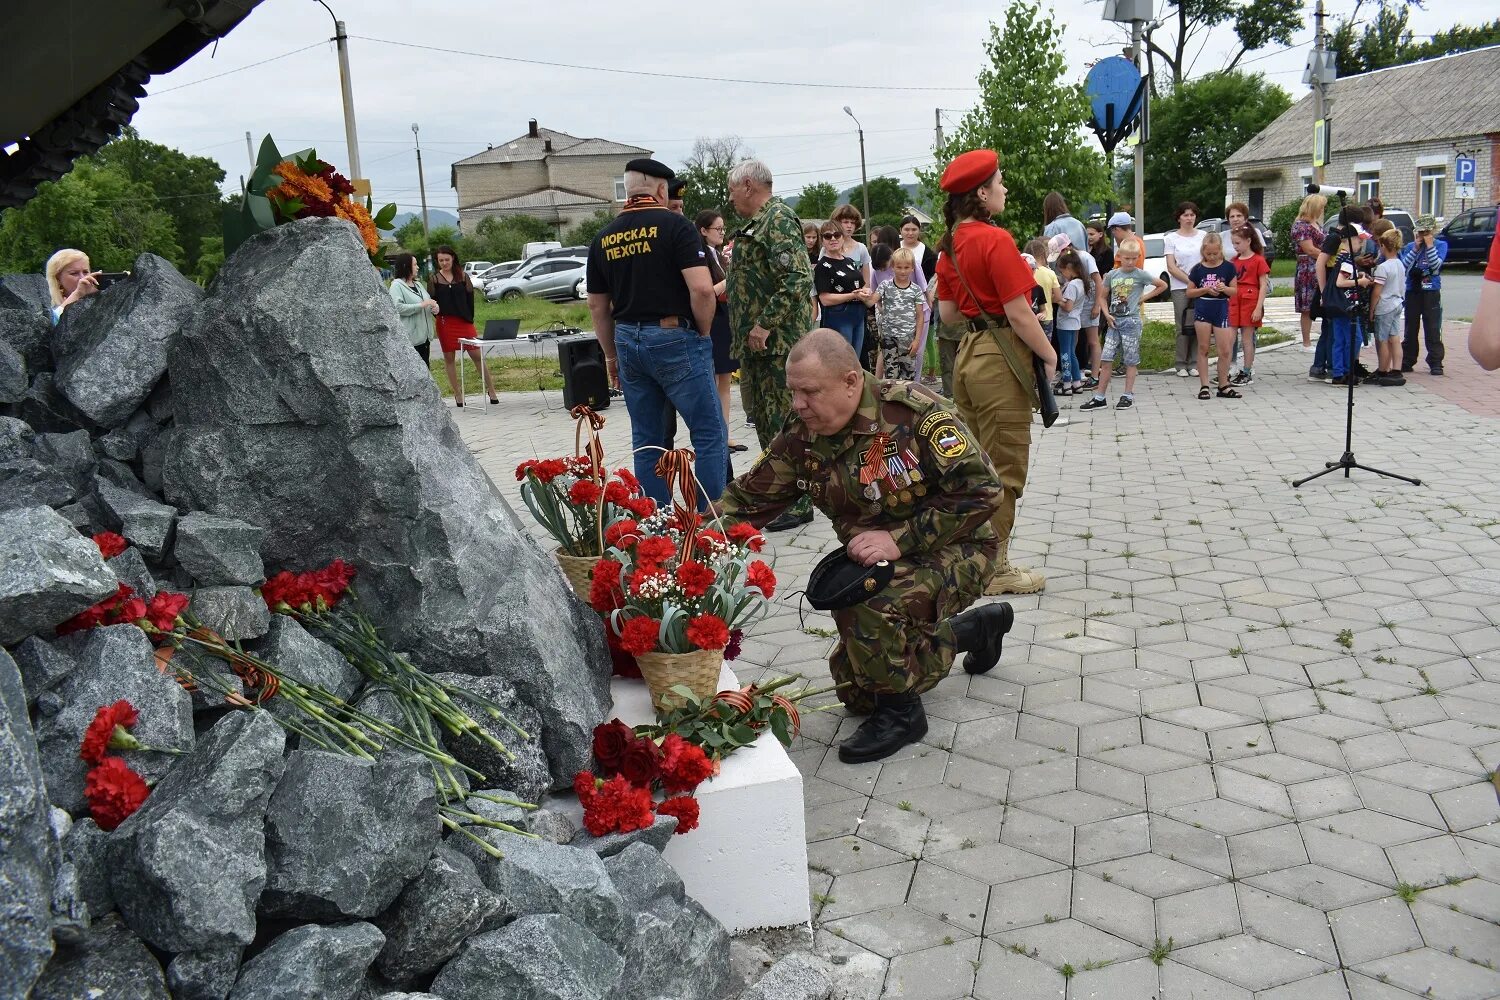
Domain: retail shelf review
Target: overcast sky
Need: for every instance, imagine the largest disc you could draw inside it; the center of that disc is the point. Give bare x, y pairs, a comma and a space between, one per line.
465, 101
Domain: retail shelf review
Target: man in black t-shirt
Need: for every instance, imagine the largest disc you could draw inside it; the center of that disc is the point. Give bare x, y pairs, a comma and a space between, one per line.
652, 300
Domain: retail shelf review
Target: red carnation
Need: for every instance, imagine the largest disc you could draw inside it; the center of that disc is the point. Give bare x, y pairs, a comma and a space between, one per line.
618, 807
114, 791
523, 468
99, 736
611, 739
760, 575
684, 765
653, 549
695, 578
641, 762
640, 506
131, 610
620, 534
549, 470
605, 593
164, 610
746, 535
585, 492
685, 808
708, 538
616, 492
628, 478
646, 573
708, 632
638, 637
584, 786
332, 580
110, 544
106, 612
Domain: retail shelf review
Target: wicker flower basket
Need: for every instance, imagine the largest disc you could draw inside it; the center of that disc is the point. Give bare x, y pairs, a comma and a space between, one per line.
578, 570
698, 671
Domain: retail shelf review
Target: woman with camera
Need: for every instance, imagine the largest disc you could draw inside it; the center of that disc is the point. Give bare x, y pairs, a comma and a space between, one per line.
1342, 254
69, 278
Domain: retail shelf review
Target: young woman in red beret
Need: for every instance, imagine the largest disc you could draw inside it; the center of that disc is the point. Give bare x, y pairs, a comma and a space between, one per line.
986, 286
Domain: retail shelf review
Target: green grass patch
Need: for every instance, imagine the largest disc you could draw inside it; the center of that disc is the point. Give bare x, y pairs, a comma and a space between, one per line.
536, 366
1284, 267
1159, 344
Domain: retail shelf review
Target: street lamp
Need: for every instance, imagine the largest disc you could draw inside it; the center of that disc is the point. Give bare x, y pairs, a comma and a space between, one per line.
351, 138
421, 181
864, 180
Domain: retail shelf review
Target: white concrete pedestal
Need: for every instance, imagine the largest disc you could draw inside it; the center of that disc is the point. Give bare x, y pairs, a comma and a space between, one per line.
746, 863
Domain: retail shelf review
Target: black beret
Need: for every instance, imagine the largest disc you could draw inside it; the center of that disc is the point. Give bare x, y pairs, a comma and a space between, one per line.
676, 187
651, 168
839, 582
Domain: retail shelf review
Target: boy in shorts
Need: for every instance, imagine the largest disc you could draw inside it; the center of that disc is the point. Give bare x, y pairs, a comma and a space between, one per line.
1386, 302
1125, 289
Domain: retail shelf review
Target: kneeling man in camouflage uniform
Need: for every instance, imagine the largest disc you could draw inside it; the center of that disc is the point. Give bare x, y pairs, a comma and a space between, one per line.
902, 480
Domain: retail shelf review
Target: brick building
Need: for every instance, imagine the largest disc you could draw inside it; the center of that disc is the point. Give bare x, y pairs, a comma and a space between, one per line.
1395, 135
546, 174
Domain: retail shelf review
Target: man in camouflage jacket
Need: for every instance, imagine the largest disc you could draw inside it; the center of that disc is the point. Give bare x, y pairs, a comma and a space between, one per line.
900, 477
770, 306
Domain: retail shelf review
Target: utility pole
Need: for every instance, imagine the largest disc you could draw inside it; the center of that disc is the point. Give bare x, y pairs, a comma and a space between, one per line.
250, 152
937, 127
1140, 134
346, 85
421, 181
1319, 73
864, 179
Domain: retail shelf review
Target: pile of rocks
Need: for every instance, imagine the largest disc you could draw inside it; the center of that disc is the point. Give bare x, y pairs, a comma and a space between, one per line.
280, 421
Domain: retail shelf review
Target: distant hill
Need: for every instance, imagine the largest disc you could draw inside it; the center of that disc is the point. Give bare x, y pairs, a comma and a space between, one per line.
435, 217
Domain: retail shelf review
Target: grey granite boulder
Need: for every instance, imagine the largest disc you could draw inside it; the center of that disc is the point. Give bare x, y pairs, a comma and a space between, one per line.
536, 876
71, 454
409, 996
130, 568
219, 550
31, 474
111, 354
434, 913
27, 331
798, 976
115, 662
108, 962
311, 417
45, 407
236, 613
525, 773
12, 374
26, 860
27, 292
142, 520
124, 444
344, 835
204, 975
44, 662
304, 658
86, 848
48, 573
550, 824
675, 950
657, 836
189, 866
643, 877
311, 963
539, 957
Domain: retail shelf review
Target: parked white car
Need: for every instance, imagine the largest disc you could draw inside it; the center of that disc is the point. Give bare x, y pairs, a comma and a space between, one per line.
475, 268
1155, 263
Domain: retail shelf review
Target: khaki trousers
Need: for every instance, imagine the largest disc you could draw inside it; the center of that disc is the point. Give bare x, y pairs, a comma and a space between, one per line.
997, 408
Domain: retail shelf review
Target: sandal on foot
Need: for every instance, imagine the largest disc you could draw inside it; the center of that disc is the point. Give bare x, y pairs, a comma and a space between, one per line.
1225, 392
1203, 393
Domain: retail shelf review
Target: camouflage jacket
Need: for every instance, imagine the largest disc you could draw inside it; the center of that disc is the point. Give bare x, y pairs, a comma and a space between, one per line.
927, 483
770, 279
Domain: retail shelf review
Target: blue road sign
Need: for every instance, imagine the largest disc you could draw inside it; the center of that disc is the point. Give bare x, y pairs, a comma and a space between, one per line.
1114, 81
1465, 170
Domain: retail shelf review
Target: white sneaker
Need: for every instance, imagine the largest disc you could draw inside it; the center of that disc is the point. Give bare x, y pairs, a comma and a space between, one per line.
1310, 349
1193, 372
1182, 373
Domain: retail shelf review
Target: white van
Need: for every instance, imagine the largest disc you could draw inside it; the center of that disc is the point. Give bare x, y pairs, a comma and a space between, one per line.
540, 246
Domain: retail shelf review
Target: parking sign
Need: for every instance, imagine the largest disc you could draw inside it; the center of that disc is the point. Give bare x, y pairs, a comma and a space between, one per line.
1465, 170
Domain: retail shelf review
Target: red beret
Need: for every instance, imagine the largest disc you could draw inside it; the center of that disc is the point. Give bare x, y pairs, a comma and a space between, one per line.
969, 170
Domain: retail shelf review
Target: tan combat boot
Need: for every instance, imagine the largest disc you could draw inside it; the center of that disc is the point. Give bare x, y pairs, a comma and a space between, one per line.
1012, 579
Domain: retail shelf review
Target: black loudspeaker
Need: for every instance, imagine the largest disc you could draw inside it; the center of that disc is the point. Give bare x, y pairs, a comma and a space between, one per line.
584, 379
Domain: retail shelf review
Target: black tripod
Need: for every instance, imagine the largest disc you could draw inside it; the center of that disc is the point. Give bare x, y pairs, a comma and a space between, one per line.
1347, 461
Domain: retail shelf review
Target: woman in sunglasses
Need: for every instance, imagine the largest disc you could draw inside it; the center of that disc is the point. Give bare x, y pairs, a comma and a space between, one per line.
840, 284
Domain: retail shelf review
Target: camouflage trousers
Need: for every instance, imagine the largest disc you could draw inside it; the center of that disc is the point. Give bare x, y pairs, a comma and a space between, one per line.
901, 639
767, 400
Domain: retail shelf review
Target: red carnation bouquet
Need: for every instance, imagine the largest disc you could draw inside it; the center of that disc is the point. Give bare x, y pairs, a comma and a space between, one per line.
113, 789
579, 504
632, 770
667, 586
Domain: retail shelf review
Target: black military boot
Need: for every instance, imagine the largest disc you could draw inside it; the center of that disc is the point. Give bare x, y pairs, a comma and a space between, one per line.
898, 720
980, 632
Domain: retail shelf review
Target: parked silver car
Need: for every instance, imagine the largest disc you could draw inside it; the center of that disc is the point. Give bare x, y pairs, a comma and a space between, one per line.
554, 278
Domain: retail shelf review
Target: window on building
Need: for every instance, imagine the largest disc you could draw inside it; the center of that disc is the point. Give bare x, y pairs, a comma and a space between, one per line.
1430, 190
620, 188
1367, 184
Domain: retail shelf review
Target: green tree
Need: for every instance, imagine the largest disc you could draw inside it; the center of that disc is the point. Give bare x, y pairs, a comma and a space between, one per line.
817, 201
1386, 39
95, 208
1281, 229
582, 234
186, 187
210, 259
888, 201
1184, 25
412, 237
1193, 130
1033, 116
706, 171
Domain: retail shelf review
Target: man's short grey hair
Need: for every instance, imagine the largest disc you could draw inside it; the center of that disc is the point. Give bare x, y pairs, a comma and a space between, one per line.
754, 171
833, 353
639, 183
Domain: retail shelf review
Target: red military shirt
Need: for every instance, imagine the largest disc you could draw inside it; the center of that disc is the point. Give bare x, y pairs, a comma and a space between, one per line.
992, 266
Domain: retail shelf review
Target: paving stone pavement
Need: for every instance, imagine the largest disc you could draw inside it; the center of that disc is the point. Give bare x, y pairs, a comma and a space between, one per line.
1238, 749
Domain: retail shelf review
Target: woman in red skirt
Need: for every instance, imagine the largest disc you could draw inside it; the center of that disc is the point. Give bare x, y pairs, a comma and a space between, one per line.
449, 287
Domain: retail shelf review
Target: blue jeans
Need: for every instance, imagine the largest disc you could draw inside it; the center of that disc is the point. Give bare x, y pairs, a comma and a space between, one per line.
1339, 356
1323, 353
849, 320
1067, 342
660, 365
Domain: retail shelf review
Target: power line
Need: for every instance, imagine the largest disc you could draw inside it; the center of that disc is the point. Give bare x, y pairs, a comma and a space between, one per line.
193, 83
650, 73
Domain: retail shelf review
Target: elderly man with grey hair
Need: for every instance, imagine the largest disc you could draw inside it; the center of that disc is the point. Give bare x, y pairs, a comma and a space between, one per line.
770, 306
652, 300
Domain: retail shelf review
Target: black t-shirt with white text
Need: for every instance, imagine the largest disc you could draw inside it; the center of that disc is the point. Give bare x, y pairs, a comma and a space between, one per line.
842, 275
638, 260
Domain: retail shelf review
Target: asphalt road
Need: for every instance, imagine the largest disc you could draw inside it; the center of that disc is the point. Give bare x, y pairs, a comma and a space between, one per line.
1460, 292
